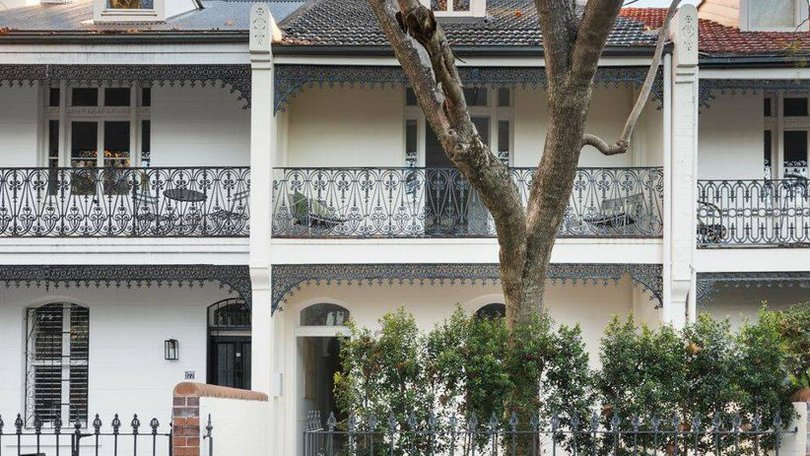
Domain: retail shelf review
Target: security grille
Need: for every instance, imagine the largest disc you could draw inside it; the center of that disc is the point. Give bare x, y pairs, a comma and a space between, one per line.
57, 349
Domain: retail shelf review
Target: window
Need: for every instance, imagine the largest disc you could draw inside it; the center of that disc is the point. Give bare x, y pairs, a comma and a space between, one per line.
57, 349
773, 15
491, 111
135, 10
324, 315
457, 8
130, 4
786, 131
491, 311
99, 130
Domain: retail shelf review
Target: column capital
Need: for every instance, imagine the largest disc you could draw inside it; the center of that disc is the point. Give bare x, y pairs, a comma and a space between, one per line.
263, 32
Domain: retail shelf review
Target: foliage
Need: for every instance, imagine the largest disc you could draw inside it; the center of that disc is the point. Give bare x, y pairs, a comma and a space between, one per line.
465, 367
702, 373
793, 326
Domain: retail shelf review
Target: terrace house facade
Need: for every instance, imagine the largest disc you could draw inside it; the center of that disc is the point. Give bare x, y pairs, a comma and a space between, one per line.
209, 189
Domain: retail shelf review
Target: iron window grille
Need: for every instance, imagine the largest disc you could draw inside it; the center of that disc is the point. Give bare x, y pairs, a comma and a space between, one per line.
57, 360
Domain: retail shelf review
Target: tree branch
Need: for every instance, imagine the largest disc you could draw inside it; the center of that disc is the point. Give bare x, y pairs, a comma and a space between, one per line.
558, 20
623, 144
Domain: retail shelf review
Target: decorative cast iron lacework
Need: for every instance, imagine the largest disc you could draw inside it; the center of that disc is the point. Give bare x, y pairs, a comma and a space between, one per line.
709, 89
439, 202
137, 202
292, 79
56, 363
710, 283
236, 77
288, 278
234, 278
756, 212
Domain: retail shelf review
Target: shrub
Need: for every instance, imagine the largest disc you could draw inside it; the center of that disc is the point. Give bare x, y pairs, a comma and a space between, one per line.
793, 326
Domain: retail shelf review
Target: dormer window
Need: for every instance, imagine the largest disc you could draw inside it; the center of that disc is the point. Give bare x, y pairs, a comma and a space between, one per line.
129, 11
773, 15
457, 8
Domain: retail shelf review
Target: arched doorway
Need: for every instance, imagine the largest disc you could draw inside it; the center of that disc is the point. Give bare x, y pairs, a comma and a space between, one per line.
229, 343
319, 330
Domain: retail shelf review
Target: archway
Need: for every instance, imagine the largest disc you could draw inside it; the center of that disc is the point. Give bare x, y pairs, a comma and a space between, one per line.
229, 346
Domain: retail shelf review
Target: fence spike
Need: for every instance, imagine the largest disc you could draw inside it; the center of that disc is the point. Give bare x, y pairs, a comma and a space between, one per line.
77, 426
615, 422
676, 421
1, 424
513, 421
534, 423
136, 423
116, 424
372, 423
757, 422
18, 423
453, 423
392, 423
331, 422
352, 422
736, 420
777, 421
717, 421
97, 424
431, 421
656, 423
594, 421
208, 427
472, 423
574, 420
57, 424
493, 422
636, 424
154, 423
412, 421
696, 424
555, 422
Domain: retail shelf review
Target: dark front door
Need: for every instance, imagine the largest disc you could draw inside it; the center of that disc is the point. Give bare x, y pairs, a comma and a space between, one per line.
229, 363
447, 199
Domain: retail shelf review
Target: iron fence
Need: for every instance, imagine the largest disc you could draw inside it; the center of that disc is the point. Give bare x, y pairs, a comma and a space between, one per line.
139, 202
756, 212
97, 439
439, 202
729, 435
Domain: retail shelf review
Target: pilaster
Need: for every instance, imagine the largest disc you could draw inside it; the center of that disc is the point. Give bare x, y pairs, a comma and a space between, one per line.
682, 167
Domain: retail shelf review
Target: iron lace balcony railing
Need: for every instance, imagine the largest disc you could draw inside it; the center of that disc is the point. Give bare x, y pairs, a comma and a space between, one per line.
431, 202
139, 202
755, 212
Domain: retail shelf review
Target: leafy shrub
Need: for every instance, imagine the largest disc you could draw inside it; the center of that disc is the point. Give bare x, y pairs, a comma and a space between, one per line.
793, 326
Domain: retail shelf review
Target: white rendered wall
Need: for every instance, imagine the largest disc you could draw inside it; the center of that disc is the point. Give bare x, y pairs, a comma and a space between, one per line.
127, 370
730, 138
346, 127
199, 126
18, 126
741, 304
365, 127
240, 426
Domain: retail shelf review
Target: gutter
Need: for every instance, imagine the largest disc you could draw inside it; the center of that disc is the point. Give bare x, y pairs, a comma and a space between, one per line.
167, 37
460, 51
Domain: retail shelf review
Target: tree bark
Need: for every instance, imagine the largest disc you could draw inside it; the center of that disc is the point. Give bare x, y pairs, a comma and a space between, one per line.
572, 48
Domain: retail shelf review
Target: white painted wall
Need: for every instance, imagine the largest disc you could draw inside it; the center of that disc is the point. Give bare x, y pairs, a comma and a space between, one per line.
346, 127
730, 138
365, 127
127, 371
741, 304
18, 126
199, 126
240, 426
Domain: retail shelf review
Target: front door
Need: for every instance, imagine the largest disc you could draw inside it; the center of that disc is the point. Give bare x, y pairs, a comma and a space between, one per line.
229, 363
448, 205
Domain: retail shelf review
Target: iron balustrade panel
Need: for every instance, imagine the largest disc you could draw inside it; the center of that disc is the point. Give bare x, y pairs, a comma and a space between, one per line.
439, 202
754, 212
110, 202
726, 435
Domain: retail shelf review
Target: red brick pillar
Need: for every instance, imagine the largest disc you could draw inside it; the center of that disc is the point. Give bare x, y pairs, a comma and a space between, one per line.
186, 420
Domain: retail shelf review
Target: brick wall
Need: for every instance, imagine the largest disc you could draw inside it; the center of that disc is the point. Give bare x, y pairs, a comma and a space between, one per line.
188, 427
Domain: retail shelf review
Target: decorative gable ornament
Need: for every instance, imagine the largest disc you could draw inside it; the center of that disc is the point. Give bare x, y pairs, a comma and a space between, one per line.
457, 8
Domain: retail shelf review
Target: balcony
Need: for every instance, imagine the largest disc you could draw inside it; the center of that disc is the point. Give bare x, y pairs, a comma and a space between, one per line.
440, 203
754, 213
121, 202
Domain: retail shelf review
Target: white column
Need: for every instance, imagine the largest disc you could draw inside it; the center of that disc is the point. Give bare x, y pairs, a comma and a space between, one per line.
682, 164
262, 154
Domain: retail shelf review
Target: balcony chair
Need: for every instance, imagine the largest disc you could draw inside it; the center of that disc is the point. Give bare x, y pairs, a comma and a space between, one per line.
147, 216
710, 233
617, 213
313, 213
233, 218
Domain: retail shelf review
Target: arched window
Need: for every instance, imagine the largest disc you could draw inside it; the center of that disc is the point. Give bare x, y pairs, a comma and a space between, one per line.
229, 314
57, 355
324, 315
494, 310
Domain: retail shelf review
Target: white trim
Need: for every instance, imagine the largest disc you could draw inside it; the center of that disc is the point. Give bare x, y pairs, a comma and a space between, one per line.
755, 73
472, 61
